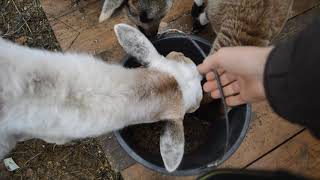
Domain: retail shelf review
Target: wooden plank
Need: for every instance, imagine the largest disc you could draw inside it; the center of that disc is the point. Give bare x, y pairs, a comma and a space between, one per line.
88, 18
279, 157
117, 157
301, 6
138, 172
64, 7
267, 130
296, 25
300, 155
77, 27
64, 34
59, 8
80, 30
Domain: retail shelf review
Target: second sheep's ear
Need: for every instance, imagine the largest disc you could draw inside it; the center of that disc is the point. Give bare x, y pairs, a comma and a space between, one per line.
109, 6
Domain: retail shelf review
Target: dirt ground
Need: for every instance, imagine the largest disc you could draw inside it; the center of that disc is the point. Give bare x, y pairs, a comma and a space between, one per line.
24, 22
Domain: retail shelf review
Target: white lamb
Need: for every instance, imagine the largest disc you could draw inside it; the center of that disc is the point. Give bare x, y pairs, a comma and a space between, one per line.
59, 97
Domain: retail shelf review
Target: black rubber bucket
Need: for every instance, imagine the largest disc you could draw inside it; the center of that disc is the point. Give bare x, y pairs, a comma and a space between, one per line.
211, 152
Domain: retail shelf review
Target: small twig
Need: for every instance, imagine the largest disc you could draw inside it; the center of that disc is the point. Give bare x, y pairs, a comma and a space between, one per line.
36, 3
8, 29
5, 22
4, 19
65, 156
73, 172
32, 158
92, 155
18, 152
87, 170
5, 7
78, 171
22, 16
11, 33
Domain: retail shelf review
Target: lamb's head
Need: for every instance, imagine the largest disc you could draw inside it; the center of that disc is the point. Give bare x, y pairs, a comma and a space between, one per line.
185, 73
176, 64
146, 14
190, 77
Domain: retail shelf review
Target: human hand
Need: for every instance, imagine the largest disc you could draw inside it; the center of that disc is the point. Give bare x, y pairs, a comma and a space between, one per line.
241, 74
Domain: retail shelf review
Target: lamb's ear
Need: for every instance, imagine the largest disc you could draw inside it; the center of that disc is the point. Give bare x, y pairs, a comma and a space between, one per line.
108, 8
135, 43
172, 144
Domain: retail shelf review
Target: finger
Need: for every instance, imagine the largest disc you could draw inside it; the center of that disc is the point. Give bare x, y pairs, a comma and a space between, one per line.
210, 75
208, 64
225, 79
207, 87
235, 101
229, 90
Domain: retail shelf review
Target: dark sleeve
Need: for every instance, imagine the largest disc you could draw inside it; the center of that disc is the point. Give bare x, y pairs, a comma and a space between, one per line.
292, 79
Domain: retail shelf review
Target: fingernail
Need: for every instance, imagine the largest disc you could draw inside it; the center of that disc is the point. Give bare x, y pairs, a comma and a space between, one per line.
215, 95
205, 89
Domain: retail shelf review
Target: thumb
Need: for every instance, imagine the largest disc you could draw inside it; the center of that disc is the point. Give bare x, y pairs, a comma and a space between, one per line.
211, 62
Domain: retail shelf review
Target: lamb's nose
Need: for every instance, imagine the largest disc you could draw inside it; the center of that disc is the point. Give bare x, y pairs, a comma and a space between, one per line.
144, 17
147, 33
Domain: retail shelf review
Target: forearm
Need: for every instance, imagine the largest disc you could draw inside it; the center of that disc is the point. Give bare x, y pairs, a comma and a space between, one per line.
291, 78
